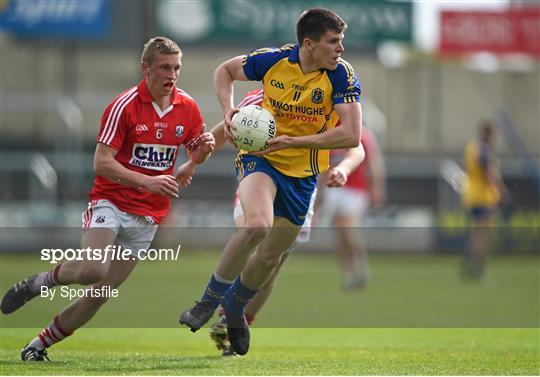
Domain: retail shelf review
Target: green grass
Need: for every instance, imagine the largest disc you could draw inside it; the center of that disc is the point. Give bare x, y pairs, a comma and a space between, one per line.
284, 352
417, 317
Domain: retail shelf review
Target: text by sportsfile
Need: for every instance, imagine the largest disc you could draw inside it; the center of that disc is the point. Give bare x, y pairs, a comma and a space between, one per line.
72, 293
110, 252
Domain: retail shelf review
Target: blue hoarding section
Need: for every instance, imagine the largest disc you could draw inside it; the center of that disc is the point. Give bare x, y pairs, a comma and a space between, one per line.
69, 19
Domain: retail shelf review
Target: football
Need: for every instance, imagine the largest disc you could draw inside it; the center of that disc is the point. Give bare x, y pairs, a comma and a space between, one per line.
254, 126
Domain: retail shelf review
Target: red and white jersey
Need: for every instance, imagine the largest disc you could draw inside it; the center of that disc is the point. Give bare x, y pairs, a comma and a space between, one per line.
359, 178
255, 97
147, 140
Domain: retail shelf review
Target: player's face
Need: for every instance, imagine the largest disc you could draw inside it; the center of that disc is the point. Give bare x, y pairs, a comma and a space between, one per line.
162, 74
327, 51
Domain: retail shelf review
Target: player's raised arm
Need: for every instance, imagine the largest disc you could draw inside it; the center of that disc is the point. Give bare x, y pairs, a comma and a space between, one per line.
224, 76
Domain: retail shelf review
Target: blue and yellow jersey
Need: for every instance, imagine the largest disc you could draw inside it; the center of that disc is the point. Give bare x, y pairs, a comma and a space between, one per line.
477, 190
302, 104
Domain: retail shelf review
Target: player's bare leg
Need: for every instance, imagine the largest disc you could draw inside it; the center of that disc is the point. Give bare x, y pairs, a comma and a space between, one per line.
481, 233
352, 254
83, 272
256, 193
256, 303
82, 310
88, 272
257, 272
79, 312
267, 257
218, 331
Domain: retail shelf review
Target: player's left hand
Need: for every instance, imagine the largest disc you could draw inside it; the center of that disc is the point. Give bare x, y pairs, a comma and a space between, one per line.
276, 144
336, 177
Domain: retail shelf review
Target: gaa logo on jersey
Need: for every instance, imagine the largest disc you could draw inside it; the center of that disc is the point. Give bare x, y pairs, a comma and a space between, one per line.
179, 130
153, 156
141, 128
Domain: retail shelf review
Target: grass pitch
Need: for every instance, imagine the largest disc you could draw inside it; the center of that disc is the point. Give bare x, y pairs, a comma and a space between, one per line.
284, 352
417, 317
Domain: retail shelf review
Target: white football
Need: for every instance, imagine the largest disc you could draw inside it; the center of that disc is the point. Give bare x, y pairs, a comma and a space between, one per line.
254, 126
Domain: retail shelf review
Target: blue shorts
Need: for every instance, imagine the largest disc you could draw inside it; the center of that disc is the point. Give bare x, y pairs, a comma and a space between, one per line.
480, 213
293, 194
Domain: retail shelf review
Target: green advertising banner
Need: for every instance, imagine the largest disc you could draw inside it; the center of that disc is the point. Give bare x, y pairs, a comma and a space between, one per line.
215, 21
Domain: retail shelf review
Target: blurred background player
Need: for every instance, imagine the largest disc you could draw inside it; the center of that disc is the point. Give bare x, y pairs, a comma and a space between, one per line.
345, 207
137, 145
483, 190
276, 186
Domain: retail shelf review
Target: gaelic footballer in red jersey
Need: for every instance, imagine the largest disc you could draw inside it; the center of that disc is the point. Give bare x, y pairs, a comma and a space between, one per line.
147, 140
345, 207
141, 133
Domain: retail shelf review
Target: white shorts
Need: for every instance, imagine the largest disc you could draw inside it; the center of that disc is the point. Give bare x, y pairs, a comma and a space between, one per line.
343, 201
305, 232
133, 232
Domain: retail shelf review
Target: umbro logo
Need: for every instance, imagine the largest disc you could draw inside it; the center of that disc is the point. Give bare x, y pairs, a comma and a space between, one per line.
141, 128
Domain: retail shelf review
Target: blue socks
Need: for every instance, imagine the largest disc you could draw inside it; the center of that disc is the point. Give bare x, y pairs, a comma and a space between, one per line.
216, 289
237, 298
234, 296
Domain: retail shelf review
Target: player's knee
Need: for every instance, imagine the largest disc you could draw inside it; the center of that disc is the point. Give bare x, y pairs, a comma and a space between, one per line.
256, 230
268, 261
95, 301
91, 274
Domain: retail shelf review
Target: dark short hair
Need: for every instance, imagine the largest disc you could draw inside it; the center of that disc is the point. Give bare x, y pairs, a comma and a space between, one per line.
315, 22
486, 128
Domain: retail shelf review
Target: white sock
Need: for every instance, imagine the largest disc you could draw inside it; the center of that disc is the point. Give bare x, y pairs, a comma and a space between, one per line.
222, 280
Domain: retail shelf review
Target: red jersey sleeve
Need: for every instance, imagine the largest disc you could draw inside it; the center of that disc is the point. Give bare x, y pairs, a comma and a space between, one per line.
114, 121
255, 97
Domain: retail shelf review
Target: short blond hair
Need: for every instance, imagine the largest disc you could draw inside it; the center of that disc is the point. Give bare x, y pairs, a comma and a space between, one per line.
159, 45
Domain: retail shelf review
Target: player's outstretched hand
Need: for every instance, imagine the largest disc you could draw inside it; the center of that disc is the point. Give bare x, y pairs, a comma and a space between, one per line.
276, 144
185, 172
165, 185
229, 125
336, 178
